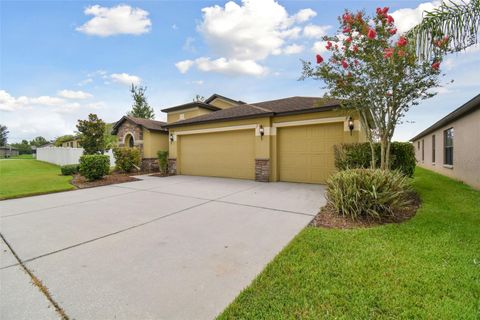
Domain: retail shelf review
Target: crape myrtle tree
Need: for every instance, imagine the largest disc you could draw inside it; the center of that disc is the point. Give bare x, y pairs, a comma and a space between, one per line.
376, 72
91, 134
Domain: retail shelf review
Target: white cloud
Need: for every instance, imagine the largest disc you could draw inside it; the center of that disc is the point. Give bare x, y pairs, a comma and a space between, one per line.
85, 82
46, 101
319, 47
184, 66
125, 78
241, 35
407, 18
71, 94
188, 45
304, 15
174, 27
315, 31
232, 66
293, 49
121, 19
10, 103
250, 31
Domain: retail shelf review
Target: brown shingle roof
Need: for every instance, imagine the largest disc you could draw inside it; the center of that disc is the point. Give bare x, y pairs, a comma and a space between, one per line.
146, 123
266, 108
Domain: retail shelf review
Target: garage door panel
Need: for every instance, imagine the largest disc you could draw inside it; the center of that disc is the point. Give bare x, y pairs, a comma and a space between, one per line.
222, 154
306, 153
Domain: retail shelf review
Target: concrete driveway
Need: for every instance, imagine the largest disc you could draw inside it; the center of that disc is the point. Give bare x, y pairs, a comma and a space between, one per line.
180, 247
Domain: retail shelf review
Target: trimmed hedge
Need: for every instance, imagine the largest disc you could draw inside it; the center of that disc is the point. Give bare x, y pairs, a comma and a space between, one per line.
69, 169
162, 161
368, 193
94, 166
126, 159
358, 155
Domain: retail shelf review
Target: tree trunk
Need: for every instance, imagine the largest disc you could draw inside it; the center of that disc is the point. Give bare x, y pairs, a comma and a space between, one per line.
387, 154
374, 158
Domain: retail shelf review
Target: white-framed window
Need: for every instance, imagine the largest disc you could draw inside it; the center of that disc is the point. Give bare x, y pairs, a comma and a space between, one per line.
448, 147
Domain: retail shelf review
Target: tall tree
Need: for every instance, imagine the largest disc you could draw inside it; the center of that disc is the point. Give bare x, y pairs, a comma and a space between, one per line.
375, 73
91, 134
24, 147
140, 108
38, 141
198, 98
3, 135
457, 21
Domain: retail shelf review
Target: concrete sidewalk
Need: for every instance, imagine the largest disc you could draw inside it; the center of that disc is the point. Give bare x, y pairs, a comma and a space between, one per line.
162, 248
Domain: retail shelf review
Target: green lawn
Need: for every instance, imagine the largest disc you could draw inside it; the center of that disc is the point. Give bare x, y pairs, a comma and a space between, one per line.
23, 156
426, 268
25, 177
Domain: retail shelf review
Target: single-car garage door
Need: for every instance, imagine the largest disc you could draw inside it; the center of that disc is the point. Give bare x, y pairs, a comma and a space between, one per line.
306, 154
228, 154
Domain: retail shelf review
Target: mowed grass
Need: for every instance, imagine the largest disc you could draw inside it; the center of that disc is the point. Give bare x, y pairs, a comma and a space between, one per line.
426, 268
24, 177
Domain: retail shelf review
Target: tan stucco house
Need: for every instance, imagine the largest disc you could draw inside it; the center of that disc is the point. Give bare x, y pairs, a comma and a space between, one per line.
287, 139
451, 146
149, 136
74, 143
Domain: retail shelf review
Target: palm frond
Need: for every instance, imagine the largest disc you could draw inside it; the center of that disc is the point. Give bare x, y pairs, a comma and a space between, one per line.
460, 21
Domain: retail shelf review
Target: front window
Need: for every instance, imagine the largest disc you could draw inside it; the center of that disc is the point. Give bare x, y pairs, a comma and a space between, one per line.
129, 141
433, 149
423, 150
448, 147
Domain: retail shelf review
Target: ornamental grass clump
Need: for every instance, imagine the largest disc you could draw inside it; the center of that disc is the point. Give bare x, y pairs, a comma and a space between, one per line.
368, 193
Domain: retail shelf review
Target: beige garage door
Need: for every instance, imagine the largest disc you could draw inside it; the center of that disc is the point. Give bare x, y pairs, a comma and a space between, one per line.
228, 154
306, 154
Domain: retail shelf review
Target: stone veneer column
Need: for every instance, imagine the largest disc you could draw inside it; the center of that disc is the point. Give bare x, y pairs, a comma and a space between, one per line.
172, 166
262, 170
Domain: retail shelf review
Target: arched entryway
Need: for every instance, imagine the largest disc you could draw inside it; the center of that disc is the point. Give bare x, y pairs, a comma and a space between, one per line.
129, 140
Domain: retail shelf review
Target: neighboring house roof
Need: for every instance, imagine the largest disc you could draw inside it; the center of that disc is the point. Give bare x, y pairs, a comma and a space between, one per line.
284, 106
215, 96
146, 123
193, 104
470, 106
8, 147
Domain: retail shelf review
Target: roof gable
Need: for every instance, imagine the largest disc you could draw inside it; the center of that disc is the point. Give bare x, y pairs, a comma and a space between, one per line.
146, 123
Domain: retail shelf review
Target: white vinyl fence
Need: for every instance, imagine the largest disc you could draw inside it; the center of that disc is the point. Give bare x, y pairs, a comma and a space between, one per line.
62, 156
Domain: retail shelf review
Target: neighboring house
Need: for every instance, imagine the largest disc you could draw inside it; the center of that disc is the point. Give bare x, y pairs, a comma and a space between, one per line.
148, 135
289, 139
47, 145
74, 143
8, 151
451, 146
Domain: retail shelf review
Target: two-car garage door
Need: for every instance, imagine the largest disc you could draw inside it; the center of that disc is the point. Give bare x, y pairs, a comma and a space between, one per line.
228, 154
305, 153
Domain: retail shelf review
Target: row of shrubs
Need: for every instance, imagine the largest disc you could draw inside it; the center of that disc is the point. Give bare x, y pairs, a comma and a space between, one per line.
357, 191
96, 166
359, 155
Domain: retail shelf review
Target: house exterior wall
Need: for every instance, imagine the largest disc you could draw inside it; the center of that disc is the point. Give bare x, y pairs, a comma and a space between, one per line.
265, 147
466, 150
224, 104
71, 144
154, 141
187, 114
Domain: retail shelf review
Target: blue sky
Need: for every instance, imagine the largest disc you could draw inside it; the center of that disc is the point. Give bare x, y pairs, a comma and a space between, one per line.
63, 60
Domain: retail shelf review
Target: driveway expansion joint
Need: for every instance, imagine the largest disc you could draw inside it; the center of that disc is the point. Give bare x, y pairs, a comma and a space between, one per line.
37, 282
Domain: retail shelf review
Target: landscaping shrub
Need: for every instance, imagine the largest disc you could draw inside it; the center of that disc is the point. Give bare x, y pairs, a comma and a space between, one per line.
358, 155
162, 161
69, 169
126, 159
368, 193
94, 166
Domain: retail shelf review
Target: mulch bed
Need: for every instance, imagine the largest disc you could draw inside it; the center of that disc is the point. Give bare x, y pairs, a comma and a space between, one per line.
81, 183
328, 218
159, 174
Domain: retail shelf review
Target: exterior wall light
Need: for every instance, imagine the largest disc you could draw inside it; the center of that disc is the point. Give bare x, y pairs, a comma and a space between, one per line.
261, 130
171, 137
350, 125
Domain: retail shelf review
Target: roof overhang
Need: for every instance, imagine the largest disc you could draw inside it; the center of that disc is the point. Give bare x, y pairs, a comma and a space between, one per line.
470, 106
192, 105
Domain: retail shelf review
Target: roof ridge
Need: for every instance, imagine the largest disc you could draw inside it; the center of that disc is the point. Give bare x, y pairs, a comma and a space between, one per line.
257, 107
